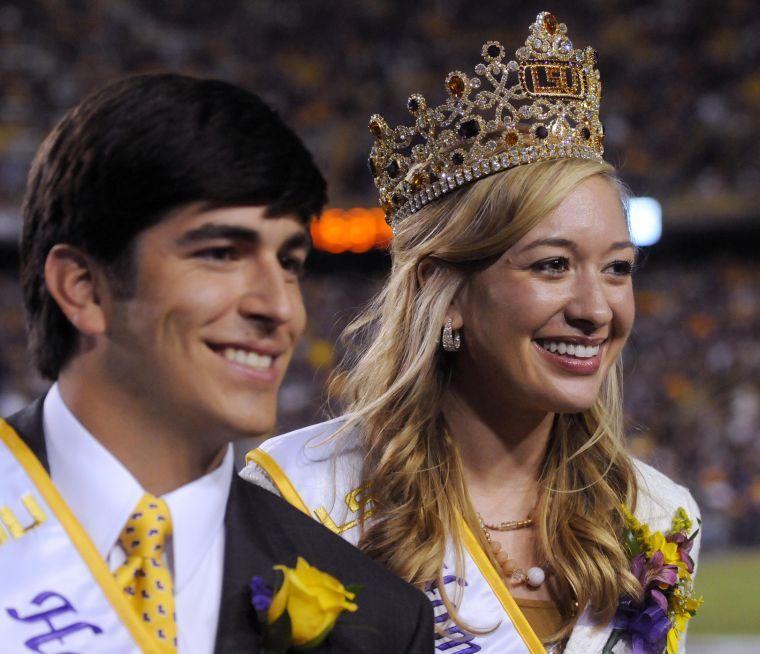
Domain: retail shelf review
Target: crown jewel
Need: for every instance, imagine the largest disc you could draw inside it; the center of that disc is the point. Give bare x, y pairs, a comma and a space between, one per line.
542, 105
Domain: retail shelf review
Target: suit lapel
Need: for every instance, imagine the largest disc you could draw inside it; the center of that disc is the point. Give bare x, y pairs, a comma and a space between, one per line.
28, 425
253, 544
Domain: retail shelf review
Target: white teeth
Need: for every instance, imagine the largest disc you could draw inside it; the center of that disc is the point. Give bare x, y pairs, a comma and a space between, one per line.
246, 358
571, 349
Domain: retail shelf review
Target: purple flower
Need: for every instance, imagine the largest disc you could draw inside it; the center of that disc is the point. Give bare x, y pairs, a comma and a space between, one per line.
261, 594
638, 568
647, 626
684, 548
658, 598
652, 574
661, 574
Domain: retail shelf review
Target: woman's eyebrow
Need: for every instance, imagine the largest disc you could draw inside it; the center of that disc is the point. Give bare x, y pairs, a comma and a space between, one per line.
556, 242
572, 245
622, 245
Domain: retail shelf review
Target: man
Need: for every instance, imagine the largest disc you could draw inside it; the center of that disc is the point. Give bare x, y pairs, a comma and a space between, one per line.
165, 230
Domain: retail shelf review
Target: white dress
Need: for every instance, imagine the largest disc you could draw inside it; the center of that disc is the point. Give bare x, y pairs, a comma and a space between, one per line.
321, 476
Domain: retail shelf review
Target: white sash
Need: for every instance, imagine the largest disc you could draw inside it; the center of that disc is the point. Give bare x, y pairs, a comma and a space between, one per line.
304, 470
56, 592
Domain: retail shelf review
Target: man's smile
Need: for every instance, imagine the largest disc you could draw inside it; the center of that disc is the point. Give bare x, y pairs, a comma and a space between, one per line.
257, 358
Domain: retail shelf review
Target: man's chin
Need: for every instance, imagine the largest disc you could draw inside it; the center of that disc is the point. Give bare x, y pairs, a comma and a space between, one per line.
254, 428
245, 415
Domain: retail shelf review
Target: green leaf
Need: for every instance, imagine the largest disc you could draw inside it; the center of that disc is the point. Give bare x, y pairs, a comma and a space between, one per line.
615, 636
278, 636
315, 642
631, 543
354, 588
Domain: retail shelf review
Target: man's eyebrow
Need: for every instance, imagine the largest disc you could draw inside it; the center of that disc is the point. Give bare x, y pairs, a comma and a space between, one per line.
298, 240
211, 231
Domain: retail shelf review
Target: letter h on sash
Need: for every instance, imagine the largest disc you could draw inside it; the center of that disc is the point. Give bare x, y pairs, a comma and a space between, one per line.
53, 633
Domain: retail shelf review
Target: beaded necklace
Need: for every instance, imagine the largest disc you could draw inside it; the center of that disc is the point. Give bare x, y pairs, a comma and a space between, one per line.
533, 576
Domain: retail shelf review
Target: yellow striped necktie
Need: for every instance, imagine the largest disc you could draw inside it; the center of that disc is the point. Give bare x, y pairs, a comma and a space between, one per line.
144, 575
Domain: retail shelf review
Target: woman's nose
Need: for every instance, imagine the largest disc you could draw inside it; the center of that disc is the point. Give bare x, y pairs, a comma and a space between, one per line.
589, 307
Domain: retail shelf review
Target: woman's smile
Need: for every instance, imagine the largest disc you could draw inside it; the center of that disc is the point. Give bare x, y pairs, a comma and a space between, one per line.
577, 359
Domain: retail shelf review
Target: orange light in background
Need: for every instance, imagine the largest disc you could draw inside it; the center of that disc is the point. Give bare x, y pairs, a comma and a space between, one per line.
350, 230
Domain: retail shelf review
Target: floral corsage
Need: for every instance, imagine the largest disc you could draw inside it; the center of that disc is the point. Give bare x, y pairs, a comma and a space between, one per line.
301, 613
661, 562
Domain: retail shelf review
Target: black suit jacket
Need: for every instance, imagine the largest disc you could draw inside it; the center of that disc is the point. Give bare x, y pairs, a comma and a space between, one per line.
262, 530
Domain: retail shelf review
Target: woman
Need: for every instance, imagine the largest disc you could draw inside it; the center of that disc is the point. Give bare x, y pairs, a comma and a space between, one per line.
481, 457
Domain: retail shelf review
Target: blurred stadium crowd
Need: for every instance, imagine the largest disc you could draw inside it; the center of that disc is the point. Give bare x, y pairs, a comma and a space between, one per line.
681, 78
682, 100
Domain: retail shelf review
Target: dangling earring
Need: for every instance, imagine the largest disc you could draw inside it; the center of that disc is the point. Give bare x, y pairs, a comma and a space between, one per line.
451, 339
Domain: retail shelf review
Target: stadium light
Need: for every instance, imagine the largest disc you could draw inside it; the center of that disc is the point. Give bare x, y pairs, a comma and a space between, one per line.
350, 230
644, 220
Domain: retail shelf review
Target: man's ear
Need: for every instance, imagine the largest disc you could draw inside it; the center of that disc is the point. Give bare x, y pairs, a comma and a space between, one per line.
70, 277
424, 269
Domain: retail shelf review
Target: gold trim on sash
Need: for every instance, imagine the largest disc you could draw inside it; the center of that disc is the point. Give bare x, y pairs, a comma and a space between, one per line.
500, 590
284, 485
79, 539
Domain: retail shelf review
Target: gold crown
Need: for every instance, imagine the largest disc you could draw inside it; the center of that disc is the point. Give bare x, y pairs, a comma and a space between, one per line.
543, 105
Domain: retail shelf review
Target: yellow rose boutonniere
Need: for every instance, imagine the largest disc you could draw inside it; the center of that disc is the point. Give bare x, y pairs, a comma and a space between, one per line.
300, 614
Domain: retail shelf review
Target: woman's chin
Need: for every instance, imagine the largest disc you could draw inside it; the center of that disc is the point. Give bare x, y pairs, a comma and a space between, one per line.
571, 403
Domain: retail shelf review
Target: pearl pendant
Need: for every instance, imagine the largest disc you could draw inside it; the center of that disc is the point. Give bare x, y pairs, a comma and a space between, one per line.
535, 577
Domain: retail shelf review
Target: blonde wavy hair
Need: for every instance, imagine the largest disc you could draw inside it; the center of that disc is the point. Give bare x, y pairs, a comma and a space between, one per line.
393, 382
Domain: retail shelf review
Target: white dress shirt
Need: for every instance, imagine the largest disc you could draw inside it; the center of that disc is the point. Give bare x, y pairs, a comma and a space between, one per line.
102, 493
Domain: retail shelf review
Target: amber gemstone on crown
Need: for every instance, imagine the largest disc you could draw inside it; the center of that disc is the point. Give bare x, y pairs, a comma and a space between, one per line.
550, 23
511, 138
418, 179
376, 128
456, 86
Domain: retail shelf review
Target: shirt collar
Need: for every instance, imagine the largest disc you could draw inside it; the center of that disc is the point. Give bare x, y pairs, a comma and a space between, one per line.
102, 493
98, 489
197, 511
